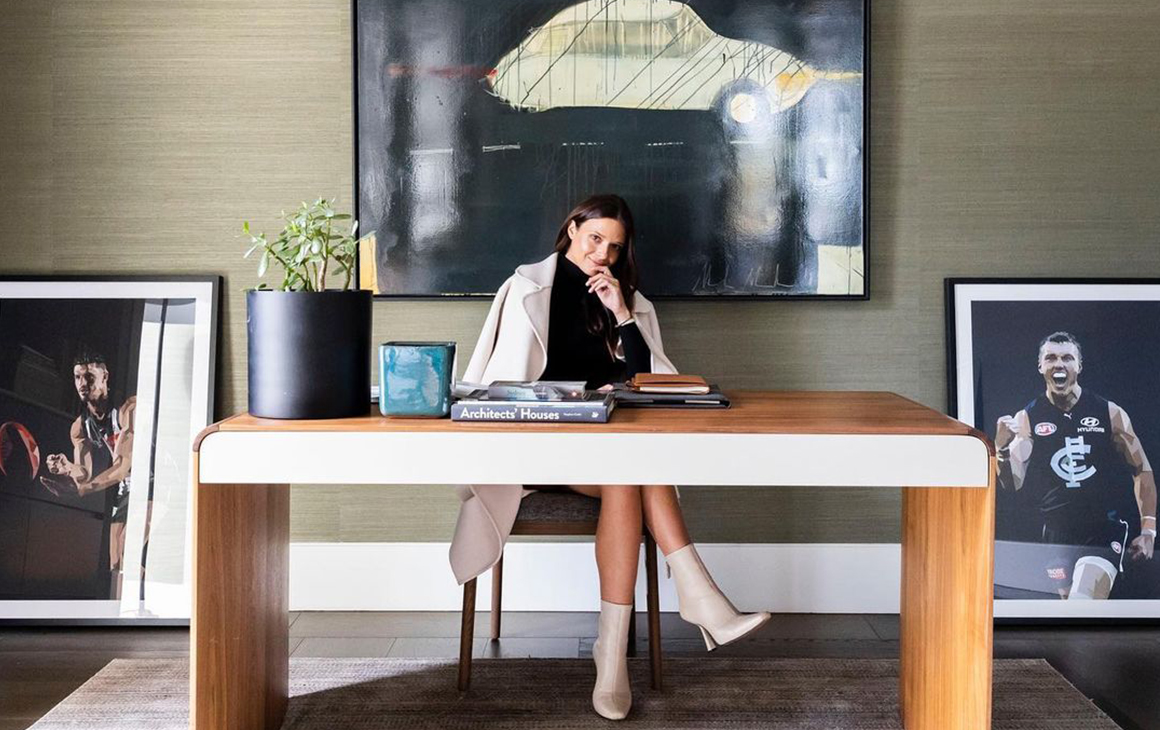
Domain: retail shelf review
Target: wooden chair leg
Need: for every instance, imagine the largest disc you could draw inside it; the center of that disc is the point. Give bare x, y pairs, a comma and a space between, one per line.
632, 632
496, 596
467, 635
654, 610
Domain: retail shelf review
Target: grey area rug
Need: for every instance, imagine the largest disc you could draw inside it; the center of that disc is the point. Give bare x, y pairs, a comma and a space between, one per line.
555, 694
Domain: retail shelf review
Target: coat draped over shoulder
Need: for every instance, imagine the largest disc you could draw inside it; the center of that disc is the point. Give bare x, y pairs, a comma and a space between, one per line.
514, 346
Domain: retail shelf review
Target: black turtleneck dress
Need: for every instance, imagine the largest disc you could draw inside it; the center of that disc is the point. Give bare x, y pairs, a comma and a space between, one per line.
574, 353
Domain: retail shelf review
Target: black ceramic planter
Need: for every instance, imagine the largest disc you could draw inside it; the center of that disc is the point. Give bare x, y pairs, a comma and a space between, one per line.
309, 353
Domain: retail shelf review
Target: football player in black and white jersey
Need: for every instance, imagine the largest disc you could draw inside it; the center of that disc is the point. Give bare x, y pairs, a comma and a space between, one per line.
102, 459
1064, 448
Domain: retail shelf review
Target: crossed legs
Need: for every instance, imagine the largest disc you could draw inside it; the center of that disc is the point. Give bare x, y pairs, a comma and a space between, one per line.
622, 508
700, 601
618, 532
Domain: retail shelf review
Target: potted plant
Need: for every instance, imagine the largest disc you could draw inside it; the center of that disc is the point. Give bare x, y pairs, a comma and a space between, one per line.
309, 338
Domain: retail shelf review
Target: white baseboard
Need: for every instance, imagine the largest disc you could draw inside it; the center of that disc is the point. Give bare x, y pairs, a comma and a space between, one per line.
790, 578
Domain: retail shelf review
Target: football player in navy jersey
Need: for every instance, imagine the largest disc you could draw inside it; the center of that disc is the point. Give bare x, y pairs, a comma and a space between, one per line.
1064, 448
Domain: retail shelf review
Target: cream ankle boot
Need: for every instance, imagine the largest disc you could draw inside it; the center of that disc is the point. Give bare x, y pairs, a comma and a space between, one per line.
701, 602
612, 695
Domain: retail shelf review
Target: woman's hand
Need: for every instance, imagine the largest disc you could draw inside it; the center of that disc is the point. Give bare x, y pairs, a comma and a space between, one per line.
605, 286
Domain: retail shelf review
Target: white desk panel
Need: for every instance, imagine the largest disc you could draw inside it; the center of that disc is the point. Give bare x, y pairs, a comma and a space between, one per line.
361, 457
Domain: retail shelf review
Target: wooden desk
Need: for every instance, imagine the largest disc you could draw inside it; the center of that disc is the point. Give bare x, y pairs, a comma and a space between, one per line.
243, 466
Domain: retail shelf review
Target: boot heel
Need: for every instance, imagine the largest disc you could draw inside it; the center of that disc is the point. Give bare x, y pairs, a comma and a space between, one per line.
709, 643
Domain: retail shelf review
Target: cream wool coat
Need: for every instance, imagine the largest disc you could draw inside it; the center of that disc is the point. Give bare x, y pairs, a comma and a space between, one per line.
514, 346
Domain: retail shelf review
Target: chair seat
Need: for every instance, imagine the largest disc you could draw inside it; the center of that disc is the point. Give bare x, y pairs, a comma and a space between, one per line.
558, 507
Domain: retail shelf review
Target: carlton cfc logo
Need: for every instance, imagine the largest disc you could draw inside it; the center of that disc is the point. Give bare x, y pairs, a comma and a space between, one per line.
1068, 462
1044, 429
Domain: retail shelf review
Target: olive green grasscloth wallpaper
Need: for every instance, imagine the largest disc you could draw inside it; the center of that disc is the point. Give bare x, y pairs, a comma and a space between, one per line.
1006, 139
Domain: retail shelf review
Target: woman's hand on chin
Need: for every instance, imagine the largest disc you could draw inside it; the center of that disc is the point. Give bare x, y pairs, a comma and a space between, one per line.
605, 286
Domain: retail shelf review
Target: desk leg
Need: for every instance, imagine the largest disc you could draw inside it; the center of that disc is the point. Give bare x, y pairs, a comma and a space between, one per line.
948, 544
239, 654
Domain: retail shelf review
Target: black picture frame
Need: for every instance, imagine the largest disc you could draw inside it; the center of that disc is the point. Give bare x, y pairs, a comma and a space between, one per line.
994, 326
191, 331
864, 196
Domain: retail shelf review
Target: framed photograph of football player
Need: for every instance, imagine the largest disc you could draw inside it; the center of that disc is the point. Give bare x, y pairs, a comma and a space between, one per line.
1061, 374
104, 383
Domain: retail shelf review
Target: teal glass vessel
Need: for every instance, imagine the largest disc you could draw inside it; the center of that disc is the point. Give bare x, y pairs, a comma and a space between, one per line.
415, 378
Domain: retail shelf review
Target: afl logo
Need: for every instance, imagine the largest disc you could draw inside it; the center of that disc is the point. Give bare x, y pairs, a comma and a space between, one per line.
1044, 429
1090, 422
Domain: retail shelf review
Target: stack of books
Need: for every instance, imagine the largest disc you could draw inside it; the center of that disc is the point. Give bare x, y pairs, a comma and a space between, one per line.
670, 390
541, 401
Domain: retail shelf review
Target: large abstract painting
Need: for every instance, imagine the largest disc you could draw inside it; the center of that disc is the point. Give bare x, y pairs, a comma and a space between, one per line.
735, 131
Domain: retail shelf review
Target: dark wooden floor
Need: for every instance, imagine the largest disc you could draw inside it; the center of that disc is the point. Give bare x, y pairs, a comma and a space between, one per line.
1118, 668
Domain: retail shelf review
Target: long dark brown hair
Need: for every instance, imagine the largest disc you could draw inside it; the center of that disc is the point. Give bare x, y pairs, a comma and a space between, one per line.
598, 320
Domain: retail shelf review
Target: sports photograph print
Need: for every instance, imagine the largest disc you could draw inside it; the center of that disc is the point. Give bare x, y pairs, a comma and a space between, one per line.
104, 383
1061, 375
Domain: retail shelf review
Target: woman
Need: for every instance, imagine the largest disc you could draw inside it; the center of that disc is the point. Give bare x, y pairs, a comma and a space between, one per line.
576, 315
